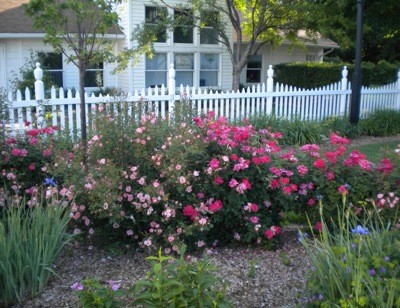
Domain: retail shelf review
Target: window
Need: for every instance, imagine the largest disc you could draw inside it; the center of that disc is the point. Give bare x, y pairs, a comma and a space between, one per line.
94, 76
184, 67
208, 35
209, 67
253, 73
311, 57
53, 64
184, 32
156, 70
153, 15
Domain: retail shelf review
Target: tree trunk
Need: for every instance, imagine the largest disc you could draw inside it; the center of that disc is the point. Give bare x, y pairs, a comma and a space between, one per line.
235, 79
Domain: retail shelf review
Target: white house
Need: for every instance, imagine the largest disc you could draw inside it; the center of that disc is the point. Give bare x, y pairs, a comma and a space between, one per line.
18, 38
198, 60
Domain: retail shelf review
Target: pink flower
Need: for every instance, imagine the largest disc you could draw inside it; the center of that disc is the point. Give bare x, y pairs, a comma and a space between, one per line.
233, 183
47, 152
385, 166
202, 221
318, 226
302, 170
311, 202
11, 140
178, 167
214, 163
252, 207
77, 286
330, 176
343, 190
241, 188
182, 180
142, 181
336, 139
102, 161
32, 167
218, 180
254, 219
129, 232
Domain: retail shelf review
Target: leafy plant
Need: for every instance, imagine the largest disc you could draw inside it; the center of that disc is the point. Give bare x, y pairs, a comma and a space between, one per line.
356, 261
92, 293
179, 283
30, 240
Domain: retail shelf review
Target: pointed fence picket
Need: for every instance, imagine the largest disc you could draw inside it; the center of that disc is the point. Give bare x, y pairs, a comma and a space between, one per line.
63, 109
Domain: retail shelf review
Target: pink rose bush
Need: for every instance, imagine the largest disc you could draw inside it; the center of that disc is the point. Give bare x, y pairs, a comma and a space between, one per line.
156, 184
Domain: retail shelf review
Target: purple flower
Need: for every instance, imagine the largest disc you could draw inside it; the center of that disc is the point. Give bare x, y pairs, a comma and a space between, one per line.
372, 272
360, 230
114, 285
77, 286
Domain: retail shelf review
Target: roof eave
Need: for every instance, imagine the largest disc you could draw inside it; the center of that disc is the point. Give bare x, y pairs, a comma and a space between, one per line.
42, 35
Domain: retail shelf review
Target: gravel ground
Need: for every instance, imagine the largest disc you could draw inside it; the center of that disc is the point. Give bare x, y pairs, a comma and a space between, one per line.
279, 275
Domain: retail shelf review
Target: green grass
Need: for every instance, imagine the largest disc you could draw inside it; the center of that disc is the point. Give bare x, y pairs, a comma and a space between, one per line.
375, 151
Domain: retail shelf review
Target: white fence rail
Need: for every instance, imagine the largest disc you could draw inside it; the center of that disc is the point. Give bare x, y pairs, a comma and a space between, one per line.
63, 109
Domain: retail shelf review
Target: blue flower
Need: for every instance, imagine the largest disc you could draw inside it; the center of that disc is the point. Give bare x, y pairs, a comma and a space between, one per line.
48, 181
301, 236
372, 272
360, 230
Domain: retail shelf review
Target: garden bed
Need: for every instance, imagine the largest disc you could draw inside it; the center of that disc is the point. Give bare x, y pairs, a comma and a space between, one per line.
256, 277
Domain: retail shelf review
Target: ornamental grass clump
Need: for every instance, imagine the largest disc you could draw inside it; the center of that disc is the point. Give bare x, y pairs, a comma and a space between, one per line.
356, 260
30, 240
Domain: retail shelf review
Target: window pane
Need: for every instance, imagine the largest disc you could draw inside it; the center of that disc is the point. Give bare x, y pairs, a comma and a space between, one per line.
209, 61
53, 61
94, 78
208, 36
153, 15
184, 78
183, 33
253, 76
184, 61
255, 62
208, 78
57, 77
158, 62
156, 78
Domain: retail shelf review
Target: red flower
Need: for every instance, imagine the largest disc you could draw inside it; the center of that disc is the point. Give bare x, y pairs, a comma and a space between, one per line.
234, 157
319, 163
274, 184
215, 206
336, 139
269, 234
189, 211
253, 207
34, 132
385, 166
318, 226
246, 183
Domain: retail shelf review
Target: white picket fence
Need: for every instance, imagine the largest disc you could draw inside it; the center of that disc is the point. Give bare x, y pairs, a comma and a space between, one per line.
63, 109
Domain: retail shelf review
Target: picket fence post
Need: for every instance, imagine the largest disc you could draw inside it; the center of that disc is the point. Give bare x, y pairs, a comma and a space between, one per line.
398, 90
344, 84
39, 94
270, 89
171, 90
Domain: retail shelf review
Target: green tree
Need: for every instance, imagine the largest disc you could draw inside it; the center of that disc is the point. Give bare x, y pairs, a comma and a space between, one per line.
336, 19
254, 22
80, 30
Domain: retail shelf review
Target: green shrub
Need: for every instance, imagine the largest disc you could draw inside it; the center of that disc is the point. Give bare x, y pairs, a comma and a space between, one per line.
179, 283
381, 123
30, 240
356, 262
312, 74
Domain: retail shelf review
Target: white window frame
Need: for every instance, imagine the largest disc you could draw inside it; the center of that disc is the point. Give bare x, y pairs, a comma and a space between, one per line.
177, 69
157, 70
217, 70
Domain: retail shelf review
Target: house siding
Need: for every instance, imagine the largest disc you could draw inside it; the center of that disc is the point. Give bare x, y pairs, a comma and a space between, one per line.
17, 52
137, 9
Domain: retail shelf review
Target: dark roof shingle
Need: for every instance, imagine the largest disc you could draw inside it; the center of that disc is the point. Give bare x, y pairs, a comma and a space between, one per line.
14, 20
